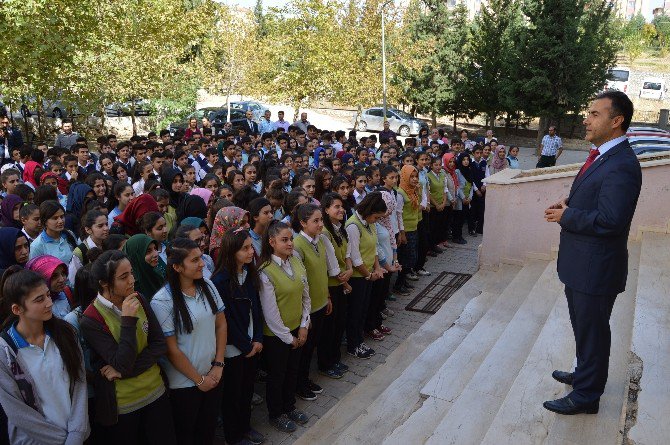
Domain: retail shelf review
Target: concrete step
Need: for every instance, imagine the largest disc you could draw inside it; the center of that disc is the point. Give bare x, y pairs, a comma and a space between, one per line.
358, 410
457, 370
522, 419
651, 342
471, 413
451, 378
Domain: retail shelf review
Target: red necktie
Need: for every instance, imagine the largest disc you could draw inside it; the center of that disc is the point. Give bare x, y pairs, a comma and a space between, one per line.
590, 160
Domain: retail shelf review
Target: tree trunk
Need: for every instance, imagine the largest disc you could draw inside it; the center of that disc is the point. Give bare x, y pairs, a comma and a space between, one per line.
40, 120
455, 118
541, 131
103, 119
132, 117
433, 119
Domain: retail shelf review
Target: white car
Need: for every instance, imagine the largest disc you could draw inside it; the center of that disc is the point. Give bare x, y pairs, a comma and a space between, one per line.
617, 78
653, 88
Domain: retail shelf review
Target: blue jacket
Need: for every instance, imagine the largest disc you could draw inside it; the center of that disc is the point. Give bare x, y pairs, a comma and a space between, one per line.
593, 254
239, 302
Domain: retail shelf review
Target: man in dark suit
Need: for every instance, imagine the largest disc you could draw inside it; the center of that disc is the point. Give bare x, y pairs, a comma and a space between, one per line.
249, 125
593, 257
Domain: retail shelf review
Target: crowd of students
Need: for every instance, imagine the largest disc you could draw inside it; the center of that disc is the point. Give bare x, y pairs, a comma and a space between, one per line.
145, 287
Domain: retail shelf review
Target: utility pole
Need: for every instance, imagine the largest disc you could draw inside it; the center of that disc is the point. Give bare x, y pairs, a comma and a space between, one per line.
384, 56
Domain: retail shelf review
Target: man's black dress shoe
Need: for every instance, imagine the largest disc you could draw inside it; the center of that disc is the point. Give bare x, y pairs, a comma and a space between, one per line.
563, 377
567, 407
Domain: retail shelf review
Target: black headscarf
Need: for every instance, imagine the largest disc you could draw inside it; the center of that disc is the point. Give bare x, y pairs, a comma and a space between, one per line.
191, 205
465, 171
167, 176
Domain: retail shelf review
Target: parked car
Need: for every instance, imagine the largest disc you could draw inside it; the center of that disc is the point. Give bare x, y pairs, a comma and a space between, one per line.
55, 108
257, 108
653, 88
617, 78
653, 130
218, 116
142, 108
401, 122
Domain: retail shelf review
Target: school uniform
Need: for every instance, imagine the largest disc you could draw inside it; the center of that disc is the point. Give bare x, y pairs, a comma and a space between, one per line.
286, 305
437, 190
318, 257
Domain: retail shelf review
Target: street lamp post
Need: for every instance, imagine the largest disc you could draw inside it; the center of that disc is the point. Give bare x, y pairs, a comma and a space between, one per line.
384, 56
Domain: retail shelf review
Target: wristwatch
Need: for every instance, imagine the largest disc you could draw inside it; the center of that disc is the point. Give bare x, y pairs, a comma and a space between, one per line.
219, 364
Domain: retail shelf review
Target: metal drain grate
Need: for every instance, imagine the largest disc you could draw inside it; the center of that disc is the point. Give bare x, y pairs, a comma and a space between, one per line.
431, 299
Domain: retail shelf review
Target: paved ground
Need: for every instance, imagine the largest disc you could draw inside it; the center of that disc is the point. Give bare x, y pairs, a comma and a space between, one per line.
461, 259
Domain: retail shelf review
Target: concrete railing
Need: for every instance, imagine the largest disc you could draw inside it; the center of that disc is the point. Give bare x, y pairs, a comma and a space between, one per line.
515, 229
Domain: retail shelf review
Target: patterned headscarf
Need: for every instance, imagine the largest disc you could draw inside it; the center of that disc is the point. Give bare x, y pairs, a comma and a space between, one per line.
412, 192
226, 219
452, 171
499, 164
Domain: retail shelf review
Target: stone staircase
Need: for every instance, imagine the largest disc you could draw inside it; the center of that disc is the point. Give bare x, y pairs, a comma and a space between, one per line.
478, 370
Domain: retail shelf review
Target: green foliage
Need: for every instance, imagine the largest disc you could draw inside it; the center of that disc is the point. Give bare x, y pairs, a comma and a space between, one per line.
436, 36
562, 55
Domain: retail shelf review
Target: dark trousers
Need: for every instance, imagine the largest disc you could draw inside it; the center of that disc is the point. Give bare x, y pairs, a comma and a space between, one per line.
357, 309
238, 388
438, 227
379, 292
195, 413
590, 315
329, 350
407, 257
546, 161
152, 425
313, 339
283, 362
477, 209
423, 231
457, 224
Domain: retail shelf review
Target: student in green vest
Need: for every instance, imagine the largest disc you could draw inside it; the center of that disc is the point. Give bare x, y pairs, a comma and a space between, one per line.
329, 348
42, 377
190, 312
440, 199
124, 335
286, 307
411, 214
317, 254
362, 237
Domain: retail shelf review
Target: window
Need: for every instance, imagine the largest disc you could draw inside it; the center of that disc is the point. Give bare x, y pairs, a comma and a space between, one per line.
652, 86
376, 112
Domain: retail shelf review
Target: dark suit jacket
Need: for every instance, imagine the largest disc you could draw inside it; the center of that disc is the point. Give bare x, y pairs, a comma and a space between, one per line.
593, 254
253, 129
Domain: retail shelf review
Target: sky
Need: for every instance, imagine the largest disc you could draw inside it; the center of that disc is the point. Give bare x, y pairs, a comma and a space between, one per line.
251, 3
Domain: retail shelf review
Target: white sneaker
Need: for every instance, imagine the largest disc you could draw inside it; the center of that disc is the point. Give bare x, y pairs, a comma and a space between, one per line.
423, 272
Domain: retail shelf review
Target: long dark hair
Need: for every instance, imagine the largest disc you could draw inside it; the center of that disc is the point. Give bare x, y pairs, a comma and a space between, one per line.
15, 285
84, 291
118, 189
104, 268
266, 249
254, 208
338, 234
87, 221
176, 254
319, 174
231, 242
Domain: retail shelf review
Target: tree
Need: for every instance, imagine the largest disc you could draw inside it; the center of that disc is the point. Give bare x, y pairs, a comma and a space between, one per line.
562, 56
435, 36
490, 59
259, 17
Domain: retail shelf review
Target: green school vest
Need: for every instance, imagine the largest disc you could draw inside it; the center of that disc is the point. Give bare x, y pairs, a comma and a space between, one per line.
436, 186
340, 254
410, 215
316, 268
288, 292
133, 393
367, 245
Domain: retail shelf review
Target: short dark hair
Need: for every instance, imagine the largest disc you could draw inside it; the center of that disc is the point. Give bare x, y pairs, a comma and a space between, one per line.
621, 106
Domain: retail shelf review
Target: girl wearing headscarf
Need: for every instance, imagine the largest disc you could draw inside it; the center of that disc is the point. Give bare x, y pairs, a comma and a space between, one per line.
191, 205
54, 272
172, 180
14, 248
29, 174
142, 251
411, 215
127, 222
9, 211
466, 189
226, 219
499, 160
60, 184
75, 205
204, 193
